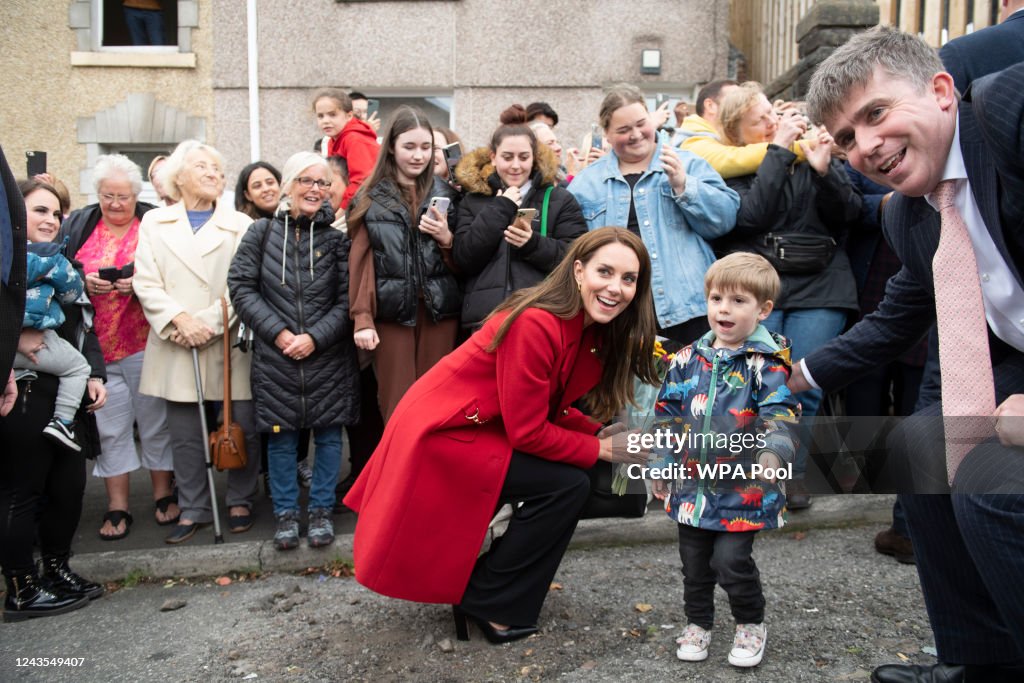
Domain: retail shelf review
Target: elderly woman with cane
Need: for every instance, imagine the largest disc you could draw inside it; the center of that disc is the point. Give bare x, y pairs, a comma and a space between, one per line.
181, 270
494, 423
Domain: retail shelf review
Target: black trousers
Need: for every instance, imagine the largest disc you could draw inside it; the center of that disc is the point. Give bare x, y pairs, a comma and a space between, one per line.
688, 332
34, 471
509, 583
721, 557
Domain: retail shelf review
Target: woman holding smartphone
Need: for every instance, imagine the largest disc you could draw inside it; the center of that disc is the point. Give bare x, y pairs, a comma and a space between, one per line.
404, 296
515, 225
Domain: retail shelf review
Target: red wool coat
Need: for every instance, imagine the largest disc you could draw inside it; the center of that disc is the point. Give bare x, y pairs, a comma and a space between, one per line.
428, 493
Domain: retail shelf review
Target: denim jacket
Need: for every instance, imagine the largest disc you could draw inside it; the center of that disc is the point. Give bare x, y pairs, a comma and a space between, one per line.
676, 229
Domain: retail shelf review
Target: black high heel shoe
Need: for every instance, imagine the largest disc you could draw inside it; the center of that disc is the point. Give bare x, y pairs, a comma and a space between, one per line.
493, 635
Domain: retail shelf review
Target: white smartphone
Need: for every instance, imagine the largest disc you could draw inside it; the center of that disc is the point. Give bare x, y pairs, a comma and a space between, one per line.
440, 203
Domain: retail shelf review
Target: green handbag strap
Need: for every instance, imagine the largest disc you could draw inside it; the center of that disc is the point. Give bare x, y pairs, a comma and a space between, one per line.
544, 212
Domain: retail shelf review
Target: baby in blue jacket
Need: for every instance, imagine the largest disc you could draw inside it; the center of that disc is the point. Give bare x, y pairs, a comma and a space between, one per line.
725, 406
51, 281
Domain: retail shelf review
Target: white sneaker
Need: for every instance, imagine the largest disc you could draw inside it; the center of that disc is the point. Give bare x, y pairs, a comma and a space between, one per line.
693, 644
748, 645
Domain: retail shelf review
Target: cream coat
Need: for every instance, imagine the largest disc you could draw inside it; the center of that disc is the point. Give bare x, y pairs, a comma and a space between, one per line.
180, 272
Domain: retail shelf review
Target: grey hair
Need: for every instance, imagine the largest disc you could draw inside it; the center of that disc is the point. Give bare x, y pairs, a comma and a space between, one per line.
176, 164
296, 164
618, 96
900, 55
110, 165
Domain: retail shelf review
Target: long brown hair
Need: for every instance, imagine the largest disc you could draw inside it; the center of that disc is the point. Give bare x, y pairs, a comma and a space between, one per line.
404, 119
626, 343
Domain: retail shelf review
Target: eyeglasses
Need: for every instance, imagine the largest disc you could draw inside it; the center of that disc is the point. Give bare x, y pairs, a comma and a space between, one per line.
119, 198
308, 182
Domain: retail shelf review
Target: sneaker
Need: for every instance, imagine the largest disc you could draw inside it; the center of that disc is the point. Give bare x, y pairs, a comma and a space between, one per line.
321, 528
287, 535
748, 645
304, 473
62, 435
693, 644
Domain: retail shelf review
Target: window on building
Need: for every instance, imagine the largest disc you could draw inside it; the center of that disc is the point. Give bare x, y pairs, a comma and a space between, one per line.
138, 23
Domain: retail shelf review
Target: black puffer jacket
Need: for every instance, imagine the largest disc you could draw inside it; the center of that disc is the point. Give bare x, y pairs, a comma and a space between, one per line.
786, 196
494, 267
293, 274
407, 261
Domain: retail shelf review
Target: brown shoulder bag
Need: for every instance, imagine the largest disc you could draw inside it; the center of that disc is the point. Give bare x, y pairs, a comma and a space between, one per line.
227, 444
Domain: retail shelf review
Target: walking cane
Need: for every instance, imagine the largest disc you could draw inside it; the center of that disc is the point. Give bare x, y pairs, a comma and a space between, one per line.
217, 536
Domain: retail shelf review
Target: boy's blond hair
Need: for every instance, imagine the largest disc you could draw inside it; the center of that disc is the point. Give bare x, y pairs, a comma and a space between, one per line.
746, 271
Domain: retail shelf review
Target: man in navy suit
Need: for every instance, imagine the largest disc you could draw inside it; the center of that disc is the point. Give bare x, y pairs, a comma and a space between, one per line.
988, 50
888, 102
12, 280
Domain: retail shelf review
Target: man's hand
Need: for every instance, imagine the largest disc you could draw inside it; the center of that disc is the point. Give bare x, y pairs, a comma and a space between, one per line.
1010, 421
797, 382
10, 395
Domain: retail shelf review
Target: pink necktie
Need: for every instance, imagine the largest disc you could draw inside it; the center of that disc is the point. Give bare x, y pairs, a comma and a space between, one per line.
967, 387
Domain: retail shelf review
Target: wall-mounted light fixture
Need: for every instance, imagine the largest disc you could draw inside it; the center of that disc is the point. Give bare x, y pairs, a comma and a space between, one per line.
650, 61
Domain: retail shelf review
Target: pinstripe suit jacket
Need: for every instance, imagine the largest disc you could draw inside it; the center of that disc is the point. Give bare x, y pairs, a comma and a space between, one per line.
12, 295
992, 141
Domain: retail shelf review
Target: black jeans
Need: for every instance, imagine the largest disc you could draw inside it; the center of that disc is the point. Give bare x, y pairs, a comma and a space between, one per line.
721, 557
40, 483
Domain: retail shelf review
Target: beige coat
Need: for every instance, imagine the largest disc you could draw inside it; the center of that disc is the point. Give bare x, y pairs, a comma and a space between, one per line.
177, 271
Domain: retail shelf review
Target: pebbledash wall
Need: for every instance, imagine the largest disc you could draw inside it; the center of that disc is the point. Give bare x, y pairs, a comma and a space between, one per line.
464, 60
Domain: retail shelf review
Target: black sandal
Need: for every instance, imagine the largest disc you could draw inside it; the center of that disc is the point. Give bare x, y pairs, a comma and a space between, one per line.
162, 504
115, 517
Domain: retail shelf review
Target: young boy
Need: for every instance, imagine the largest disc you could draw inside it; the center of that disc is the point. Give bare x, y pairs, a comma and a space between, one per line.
724, 401
51, 281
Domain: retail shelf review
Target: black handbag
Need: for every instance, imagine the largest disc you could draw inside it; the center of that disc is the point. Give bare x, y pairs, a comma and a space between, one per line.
796, 252
603, 502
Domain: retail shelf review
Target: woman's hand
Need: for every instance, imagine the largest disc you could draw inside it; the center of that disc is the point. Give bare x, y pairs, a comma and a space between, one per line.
124, 286
95, 286
660, 489
513, 194
660, 115
366, 339
190, 332
97, 394
519, 233
594, 154
618, 448
10, 395
673, 168
284, 338
435, 224
301, 346
819, 151
791, 126
30, 343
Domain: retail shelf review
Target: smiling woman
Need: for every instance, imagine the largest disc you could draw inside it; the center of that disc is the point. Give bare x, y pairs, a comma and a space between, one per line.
258, 190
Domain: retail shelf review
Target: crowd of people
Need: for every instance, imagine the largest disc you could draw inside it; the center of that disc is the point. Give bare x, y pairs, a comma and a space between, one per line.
478, 321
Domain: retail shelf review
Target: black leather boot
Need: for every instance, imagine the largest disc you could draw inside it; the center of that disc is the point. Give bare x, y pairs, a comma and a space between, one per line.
27, 598
59, 577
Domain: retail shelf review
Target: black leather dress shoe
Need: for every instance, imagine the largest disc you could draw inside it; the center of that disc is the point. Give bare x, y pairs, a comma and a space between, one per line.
916, 673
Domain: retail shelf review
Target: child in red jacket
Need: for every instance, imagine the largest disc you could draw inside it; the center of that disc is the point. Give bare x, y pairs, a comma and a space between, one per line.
346, 136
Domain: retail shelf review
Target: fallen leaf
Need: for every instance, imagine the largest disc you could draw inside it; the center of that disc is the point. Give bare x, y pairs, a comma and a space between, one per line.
171, 605
555, 586
223, 581
528, 652
903, 656
799, 535
643, 607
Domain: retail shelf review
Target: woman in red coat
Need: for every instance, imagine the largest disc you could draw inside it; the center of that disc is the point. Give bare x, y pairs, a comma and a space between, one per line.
493, 423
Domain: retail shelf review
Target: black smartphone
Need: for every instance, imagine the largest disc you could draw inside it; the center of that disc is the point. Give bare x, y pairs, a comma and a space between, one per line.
452, 155
128, 270
109, 274
372, 107
35, 162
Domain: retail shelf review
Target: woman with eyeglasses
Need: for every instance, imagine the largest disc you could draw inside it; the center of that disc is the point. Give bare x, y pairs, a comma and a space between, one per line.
181, 277
289, 284
405, 299
102, 241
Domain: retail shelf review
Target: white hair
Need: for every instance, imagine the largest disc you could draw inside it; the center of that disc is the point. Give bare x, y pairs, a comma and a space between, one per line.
109, 166
296, 164
176, 164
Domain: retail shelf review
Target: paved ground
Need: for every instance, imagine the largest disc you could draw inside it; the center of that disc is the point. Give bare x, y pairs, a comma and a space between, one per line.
835, 610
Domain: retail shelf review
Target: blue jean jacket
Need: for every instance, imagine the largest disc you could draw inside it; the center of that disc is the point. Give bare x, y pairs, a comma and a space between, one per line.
676, 229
